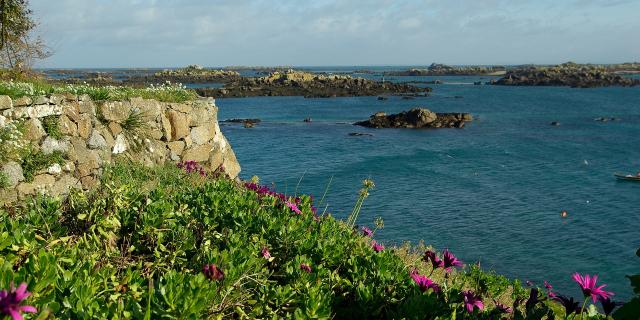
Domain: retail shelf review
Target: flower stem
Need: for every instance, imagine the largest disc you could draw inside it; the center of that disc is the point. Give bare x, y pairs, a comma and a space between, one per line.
584, 304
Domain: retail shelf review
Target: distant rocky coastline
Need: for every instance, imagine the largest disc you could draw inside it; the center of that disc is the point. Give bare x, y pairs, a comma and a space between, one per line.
298, 83
568, 74
416, 118
436, 69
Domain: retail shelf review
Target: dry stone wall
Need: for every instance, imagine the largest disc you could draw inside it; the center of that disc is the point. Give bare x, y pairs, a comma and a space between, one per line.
93, 134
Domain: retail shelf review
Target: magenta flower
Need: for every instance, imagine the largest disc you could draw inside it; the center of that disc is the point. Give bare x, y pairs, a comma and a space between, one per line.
435, 261
293, 207
366, 231
547, 285
10, 302
265, 253
589, 288
212, 272
376, 246
570, 306
305, 267
471, 300
449, 260
424, 283
608, 305
502, 308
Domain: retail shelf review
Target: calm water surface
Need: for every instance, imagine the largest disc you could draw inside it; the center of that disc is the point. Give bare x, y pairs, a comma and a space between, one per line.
492, 191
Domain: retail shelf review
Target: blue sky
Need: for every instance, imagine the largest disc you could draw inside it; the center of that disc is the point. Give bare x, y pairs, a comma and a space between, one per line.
170, 33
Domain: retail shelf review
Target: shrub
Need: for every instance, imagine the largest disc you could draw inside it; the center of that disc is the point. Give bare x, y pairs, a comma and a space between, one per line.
4, 180
33, 161
11, 143
169, 242
51, 125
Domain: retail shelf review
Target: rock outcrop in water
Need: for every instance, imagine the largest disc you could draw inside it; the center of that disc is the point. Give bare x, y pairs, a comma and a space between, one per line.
416, 118
297, 83
568, 74
436, 69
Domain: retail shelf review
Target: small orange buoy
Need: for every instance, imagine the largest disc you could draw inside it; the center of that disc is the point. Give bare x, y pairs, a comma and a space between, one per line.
563, 213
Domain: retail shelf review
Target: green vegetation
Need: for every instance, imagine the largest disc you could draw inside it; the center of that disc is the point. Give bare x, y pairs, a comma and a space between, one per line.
51, 125
163, 243
4, 180
34, 161
36, 87
18, 47
135, 129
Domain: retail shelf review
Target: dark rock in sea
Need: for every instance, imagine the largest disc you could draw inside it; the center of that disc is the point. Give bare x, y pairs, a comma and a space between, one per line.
458, 97
568, 74
249, 124
477, 83
407, 98
307, 120
416, 118
360, 134
242, 120
436, 69
383, 98
555, 123
296, 83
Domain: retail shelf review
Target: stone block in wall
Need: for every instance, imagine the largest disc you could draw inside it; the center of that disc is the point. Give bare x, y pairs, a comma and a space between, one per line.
22, 102
67, 126
97, 141
181, 107
89, 182
14, 173
150, 109
203, 134
167, 131
5, 102
54, 169
36, 111
41, 183
107, 136
87, 168
198, 153
120, 145
201, 116
176, 147
33, 130
87, 107
41, 100
115, 128
117, 111
64, 184
84, 126
179, 125
57, 99
8, 196
50, 145
72, 110
80, 153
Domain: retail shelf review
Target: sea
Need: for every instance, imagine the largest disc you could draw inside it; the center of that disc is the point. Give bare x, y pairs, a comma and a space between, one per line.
492, 192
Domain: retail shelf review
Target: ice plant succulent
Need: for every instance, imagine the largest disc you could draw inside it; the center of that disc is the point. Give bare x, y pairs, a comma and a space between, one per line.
435, 261
305, 267
570, 306
293, 207
366, 231
265, 253
424, 283
608, 305
502, 308
449, 260
589, 287
376, 246
10, 302
212, 272
471, 301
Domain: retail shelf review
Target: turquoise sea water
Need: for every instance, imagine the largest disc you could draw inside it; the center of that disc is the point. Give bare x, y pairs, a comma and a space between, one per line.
491, 192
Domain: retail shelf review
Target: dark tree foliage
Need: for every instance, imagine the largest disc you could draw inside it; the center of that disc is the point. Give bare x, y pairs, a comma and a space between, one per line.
18, 47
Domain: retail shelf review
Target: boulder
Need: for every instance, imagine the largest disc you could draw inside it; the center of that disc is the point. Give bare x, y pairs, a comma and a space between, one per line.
50, 145
202, 134
416, 118
33, 130
5, 103
97, 141
179, 125
14, 173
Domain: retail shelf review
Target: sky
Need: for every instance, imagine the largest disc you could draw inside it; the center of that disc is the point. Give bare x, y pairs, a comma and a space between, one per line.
175, 33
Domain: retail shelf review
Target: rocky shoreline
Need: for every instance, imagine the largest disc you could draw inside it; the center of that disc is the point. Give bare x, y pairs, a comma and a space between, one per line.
568, 74
436, 69
297, 83
416, 118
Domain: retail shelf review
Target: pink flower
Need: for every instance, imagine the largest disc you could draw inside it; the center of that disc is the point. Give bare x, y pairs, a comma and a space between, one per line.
547, 285
589, 288
212, 272
376, 246
265, 253
450, 260
366, 231
503, 308
424, 283
293, 207
305, 267
10, 302
471, 300
435, 261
